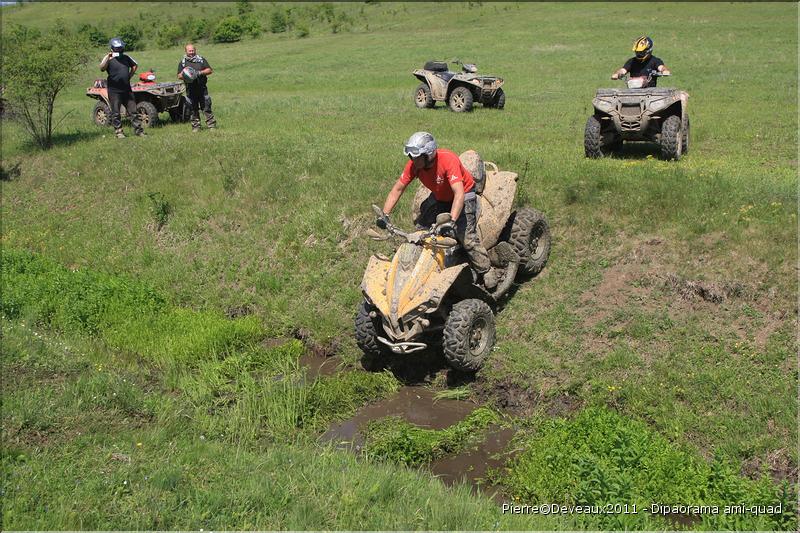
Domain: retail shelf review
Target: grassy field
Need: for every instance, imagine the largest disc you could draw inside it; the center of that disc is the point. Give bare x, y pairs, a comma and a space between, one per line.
139, 392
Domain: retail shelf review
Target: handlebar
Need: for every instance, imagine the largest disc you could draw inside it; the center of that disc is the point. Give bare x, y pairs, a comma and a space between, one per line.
412, 237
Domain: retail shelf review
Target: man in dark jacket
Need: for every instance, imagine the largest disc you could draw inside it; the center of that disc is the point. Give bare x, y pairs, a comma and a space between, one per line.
121, 68
196, 88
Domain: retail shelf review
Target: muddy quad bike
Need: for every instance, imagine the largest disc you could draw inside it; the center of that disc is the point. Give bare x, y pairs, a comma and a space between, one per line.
638, 113
460, 90
428, 295
151, 99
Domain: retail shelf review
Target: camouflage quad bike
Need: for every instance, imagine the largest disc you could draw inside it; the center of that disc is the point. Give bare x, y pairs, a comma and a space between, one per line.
638, 113
427, 293
151, 99
460, 90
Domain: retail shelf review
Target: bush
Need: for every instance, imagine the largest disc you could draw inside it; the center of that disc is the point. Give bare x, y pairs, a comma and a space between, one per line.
93, 35
34, 75
168, 35
197, 29
277, 21
302, 30
132, 35
251, 25
229, 30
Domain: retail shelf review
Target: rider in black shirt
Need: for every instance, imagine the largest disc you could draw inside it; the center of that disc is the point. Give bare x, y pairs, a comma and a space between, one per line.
643, 62
121, 68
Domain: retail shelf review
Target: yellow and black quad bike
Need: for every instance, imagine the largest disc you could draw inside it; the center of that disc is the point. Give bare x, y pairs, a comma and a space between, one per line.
427, 294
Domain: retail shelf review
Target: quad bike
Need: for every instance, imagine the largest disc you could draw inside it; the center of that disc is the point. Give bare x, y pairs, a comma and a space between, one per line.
460, 90
151, 98
638, 113
428, 295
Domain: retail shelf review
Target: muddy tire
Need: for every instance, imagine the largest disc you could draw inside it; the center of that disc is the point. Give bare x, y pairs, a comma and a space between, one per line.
685, 137
460, 100
367, 338
181, 112
101, 114
148, 114
423, 97
671, 138
593, 138
469, 335
529, 234
498, 101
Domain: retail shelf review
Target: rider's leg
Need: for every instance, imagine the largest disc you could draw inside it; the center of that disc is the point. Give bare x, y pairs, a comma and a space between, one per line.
467, 235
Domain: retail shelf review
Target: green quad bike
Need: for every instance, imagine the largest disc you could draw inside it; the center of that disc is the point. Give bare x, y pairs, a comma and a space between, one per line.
638, 113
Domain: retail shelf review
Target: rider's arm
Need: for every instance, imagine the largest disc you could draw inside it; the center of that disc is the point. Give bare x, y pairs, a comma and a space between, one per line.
104, 61
133, 71
394, 196
618, 73
664, 70
207, 70
458, 200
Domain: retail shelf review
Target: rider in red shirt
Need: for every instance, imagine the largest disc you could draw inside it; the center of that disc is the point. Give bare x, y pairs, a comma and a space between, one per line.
453, 190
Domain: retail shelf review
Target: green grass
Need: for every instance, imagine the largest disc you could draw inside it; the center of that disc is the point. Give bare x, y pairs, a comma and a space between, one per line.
144, 247
602, 458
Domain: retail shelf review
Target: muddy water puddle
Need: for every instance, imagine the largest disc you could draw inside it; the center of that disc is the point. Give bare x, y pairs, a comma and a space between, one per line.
318, 366
417, 405
471, 466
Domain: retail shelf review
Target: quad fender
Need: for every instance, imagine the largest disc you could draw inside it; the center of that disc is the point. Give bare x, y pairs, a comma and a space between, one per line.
438, 85
373, 285
461, 83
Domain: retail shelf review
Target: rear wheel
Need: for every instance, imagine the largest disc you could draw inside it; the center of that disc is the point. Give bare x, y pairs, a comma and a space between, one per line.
460, 100
469, 335
530, 237
423, 97
148, 114
101, 114
671, 138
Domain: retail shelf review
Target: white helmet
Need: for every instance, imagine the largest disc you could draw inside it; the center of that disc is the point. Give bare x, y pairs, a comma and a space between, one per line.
421, 143
189, 74
116, 44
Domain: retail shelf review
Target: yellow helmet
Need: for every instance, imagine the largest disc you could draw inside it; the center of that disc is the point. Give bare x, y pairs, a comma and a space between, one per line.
643, 47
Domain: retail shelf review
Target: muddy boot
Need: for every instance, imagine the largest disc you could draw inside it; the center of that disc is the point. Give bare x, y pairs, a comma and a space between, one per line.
120, 134
141, 133
490, 279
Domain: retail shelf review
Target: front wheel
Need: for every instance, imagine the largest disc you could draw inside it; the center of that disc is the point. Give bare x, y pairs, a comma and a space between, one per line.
148, 114
500, 99
671, 138
469, 335
423, 97
460, 100
101, 114
685, 138
366, 328
530, 237
593, 138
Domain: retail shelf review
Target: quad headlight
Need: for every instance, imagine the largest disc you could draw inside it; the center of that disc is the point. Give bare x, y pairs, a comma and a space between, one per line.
604, 105
657, 105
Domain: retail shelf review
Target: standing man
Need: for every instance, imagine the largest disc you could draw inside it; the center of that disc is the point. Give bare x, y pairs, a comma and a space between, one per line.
197, 70
643, 62
121, 68
453, 189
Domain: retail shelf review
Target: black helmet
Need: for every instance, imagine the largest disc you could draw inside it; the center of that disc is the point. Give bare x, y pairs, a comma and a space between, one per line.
116, 44
643, 47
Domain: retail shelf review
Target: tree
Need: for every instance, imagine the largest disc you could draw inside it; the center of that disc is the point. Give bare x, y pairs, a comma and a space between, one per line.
229, 30
33, 76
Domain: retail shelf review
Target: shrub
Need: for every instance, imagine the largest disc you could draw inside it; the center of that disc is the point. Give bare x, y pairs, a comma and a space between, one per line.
228, 30
168, 35
132, 35
93, 35
302, 30
251, 25
277, 21
34, 75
